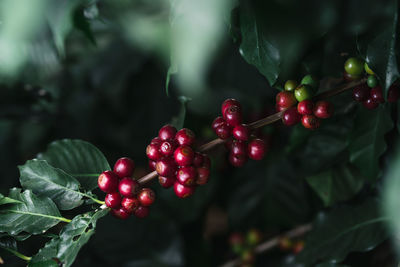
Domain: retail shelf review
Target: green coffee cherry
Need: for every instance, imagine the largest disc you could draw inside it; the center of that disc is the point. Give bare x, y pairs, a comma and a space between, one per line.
303, 92
367, 69
354, 66
290, 85
372, 81
311, 81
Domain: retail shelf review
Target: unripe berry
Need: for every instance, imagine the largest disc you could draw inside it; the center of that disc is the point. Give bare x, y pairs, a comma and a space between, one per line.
187, 175
198, 159
223, 131
128, 187
291, 117
238, 148
141, 212
323, 109
185, 137
153, 151
305, 107
256, 149
167, 148
108, 181
167, 132
120, 213
377, 94
253, 237
217, 122
311, 81
310, 122
233, 115
247, 256
130, 204
290, 85
372, 81
361, 93
285, 243
184, 155
124, 167
113, 200
367, 69
146, 197
237, 160
183, 191
303, 92
285, 99
241, 132
393, 93
236, 240
203, 174
166, 182
228, 103
354, 66
166, 167
370, 103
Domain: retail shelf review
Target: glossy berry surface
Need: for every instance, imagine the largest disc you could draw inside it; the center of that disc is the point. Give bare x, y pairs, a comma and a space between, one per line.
361, 93
166, 182
185, 137
146, 197
187, 175
156, 141
218, 121
203, 175
279, 108
238, 148
153, 151
124, 167
184, 155
166, 167
120, 213
256, 149
354, 66
372, 81
233, 115
311, 81
198, 159
113, 200
128, 187
141, 212
237, 160
370, 103
167, 132
393, 93
377, 94
130, 204
305, 107
285, 99
310, 122
228, 103
323, 109
167, 148
290, 85
303, 92
152, 165
241, 132
223, 131
183, 191
291, 117
108, 181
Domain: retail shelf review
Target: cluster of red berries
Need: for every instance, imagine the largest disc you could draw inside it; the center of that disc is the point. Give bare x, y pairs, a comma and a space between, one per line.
307, 112
243, 246
124, 194
171, 154
286, 244
230, 127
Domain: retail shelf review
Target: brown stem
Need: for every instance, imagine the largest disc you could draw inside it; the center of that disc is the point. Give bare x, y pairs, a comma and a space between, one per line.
260, 123
273, 242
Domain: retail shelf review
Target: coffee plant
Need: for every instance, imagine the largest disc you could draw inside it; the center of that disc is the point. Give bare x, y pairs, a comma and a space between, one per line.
199, 133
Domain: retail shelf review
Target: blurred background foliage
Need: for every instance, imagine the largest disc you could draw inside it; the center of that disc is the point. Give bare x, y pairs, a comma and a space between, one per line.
112, 72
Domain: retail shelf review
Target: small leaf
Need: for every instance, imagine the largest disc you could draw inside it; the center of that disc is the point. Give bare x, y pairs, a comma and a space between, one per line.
6, 200
77, 158
43, 179
367, 141
35, 215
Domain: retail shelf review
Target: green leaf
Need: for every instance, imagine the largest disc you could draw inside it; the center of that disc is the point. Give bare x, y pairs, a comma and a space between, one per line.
6, 200
35, 215
367, 141
381, 52
79, 159
179, 120
72, 238
43, 179
344, 230
337, 184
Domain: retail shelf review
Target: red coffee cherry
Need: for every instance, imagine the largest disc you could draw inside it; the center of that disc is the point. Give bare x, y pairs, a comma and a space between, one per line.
198, 159
206, 161
113, 200
238, 148
167, 148
152, 165
241, 132
323, 109
120, 213
237, 160
184, 155
124, 167
153, 151
167, 132
108, 181
128, 187
166, 182
285, 99
141, 212
146, 197
256, 149
183, 191
203, 174
370, 103
305, 107
233, 115
279, 108
377, 94
130, 204
166, 167
291, 117
185, 137
393, 93
156, 141
217, 122
187, 175
228, 103
223, 131
310, 122
361, 92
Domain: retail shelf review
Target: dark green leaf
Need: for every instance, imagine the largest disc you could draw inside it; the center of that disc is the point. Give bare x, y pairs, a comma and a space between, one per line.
6, 200
367, 141
72, 238
78, 158
7, 242
337, 184
43, 179
344, 230
34, 216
